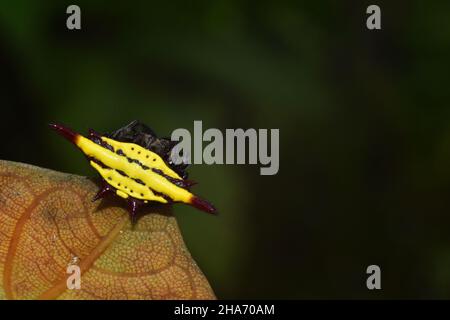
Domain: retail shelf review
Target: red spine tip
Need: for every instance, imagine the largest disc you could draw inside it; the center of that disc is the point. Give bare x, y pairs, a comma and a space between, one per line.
65, 132
202, 205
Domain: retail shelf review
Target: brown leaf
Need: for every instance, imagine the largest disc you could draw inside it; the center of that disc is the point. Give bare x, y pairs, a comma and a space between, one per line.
48, 222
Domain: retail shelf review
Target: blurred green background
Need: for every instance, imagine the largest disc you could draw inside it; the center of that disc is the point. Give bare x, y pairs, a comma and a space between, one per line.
363, 116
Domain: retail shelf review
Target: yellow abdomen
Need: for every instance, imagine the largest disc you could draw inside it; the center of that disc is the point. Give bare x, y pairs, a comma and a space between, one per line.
129, 168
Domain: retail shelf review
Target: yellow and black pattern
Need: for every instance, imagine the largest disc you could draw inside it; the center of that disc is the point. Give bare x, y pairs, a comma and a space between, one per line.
133, 172
128, 163
125, 186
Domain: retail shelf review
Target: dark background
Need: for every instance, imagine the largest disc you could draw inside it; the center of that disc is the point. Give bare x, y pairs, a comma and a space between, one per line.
363, 116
